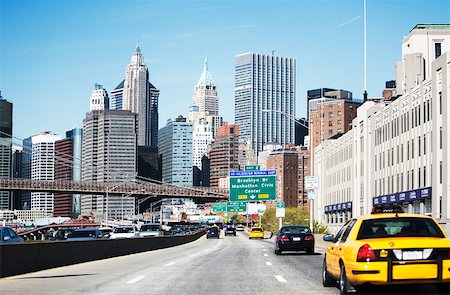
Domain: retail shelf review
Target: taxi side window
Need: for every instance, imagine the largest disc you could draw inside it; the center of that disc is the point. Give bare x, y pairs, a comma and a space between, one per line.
339, 233
347, 231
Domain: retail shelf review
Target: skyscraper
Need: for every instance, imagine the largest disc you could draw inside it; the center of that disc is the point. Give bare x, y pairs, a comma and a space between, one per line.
99, 98
205, 93
6, 108
68, 167
201, 137
175, 147
42, 168
141, 97
265, 99
117, 97
108, 155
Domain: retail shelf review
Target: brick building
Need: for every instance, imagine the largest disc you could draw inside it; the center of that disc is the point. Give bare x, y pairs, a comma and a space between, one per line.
285, 162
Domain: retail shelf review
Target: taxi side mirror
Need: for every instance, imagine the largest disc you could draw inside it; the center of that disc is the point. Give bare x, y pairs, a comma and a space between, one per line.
328, 238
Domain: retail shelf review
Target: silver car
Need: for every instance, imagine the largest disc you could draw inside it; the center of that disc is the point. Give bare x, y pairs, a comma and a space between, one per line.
150, 230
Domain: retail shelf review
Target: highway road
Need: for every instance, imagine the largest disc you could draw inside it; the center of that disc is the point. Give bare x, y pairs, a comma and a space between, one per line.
230, 265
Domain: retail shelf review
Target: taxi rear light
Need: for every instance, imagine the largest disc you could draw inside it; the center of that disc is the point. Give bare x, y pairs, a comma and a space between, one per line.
283, 239
309, 238
366, 254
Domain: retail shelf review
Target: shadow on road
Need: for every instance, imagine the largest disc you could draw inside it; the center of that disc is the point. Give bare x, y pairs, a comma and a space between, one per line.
59, 276
300, 254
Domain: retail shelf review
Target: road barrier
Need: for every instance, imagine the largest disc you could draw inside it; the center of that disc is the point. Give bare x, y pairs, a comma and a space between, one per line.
28, 257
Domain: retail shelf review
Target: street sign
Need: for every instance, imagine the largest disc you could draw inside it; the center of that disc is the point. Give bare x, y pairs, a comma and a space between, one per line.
252, 185
280, 212
219, 207
280, 204
236, 207
311, 195
311, 182
252, 167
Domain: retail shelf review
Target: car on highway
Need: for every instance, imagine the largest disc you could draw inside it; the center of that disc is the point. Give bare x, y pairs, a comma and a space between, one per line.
387, 248
106, 231
213, 232
124, 232
239, 227
9, 236
150, 230
294, 238
85, 234
62, 234
256, 233
230, 231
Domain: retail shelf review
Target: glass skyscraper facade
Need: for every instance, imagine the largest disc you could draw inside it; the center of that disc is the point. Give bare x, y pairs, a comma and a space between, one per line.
265, 99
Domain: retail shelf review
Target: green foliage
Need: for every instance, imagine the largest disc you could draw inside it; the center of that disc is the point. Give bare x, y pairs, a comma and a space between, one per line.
320, 228
294, 216
239, 219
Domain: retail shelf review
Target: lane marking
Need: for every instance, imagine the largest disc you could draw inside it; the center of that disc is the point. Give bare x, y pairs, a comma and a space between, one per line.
268, 263
136, 279
265, 255
169, 264
264, 250
280, 279
193, 255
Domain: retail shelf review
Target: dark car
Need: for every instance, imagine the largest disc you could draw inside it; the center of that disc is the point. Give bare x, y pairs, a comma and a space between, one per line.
230, 231
8, 235
294, 238
213, 232
85, 234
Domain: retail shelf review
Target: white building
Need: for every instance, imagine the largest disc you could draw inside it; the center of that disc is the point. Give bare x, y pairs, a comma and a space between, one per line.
175, 147
201, 137
99, 98
43, 168
136, 92
400, 150
265, 99
205, 93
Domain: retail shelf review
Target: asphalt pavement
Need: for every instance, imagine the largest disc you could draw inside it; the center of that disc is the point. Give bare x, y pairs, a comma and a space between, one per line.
229, 265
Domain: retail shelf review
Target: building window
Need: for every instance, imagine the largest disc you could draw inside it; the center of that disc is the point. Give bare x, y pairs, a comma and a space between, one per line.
330, 115
440, 137
424, 176
420, 148
437, 50
330, 123
330, 132
440, 172
440, 102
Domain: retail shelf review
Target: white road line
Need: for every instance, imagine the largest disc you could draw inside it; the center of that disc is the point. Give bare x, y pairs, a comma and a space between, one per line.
280, 279
268, 263
264, 250
169, 264
193, 255
265, 255
136, 279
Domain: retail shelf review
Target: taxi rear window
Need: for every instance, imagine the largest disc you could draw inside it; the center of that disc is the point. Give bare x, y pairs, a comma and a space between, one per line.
256, 229
399, 227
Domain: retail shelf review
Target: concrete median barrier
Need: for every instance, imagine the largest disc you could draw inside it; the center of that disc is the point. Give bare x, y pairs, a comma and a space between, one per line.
28, 257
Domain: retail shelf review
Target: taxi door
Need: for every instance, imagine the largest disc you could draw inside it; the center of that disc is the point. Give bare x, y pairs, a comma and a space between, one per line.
332, 259
341, 245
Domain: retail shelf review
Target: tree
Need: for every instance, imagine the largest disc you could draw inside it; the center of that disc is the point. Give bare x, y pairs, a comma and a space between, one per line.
293, 216
239, 219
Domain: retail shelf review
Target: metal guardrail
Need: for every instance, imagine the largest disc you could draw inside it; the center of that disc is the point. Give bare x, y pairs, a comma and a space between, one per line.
85, 187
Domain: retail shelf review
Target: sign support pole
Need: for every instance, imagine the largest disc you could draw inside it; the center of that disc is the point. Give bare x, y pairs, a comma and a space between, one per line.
281, 222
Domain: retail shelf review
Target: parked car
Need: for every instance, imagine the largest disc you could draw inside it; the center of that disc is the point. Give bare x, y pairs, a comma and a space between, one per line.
8, 236
213, 232
230, 231
85, 234
294, 238
150, 230
124, 232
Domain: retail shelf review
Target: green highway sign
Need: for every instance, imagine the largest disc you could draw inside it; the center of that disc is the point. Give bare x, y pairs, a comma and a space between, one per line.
280, 204
219, 207
253, 185
236, 207
252, 167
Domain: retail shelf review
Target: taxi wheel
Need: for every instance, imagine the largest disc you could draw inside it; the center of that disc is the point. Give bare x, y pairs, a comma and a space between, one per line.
327, 281
343, 282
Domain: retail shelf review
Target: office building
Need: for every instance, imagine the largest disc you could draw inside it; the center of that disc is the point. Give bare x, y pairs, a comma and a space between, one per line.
175, 148
68, 167
149, 165
265, 99
17, 173
201, 137
109, 149
99, 98
141, 97
396, 152
301, 131
6, 115
40, 165
117, 97
285, 162
205, 93
304, 169
224, 153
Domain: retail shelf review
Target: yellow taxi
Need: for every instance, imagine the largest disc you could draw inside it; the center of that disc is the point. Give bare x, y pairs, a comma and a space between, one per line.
256, 233
386, 248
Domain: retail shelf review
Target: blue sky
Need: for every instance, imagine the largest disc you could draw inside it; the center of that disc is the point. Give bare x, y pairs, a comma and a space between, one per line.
53, 52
